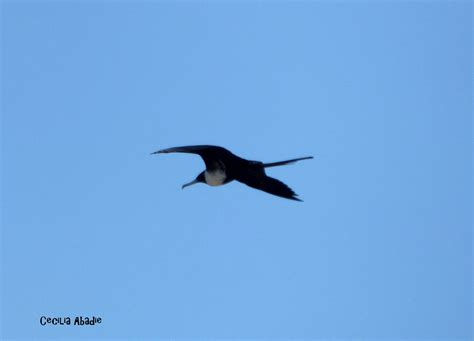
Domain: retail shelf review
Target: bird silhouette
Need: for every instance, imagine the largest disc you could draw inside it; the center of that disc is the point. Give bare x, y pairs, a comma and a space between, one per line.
222, 167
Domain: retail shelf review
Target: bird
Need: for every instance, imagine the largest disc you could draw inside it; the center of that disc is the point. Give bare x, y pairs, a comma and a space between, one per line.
222, 167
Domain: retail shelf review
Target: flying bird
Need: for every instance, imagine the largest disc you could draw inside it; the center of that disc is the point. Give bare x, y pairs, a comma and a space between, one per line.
223, 167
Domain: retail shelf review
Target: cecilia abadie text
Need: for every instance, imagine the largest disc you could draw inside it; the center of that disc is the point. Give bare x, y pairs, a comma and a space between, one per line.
76, 321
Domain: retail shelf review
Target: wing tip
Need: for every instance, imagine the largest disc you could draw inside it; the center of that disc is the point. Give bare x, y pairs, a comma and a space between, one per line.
159, 152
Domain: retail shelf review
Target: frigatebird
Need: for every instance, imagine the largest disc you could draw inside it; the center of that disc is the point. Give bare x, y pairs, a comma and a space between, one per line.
223, 167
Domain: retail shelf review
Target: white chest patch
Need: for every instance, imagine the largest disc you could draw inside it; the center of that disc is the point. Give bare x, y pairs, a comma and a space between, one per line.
215, 178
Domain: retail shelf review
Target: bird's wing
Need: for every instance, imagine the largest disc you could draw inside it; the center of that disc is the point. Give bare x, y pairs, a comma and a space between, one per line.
270, 185
210, 154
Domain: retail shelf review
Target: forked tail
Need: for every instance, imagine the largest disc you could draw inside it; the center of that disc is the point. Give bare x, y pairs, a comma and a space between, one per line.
287, 162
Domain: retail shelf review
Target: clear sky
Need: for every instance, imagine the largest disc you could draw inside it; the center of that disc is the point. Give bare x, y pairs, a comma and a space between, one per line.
92, 224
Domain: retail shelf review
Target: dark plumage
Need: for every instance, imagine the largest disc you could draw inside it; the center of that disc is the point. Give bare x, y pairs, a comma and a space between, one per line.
223, 167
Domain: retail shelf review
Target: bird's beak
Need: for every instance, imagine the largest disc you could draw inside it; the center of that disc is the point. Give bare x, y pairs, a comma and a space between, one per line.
189, 184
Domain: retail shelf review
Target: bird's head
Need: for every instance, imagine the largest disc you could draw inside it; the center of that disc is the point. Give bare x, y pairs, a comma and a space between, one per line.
199, 178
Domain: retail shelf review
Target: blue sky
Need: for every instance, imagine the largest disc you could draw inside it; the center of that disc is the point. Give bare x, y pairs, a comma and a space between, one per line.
92, 224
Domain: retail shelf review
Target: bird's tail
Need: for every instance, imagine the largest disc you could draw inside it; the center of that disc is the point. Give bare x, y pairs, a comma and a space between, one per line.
287, 162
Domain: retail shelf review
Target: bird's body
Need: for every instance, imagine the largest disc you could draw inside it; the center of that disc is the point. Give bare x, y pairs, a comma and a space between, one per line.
222, 167
217, 177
